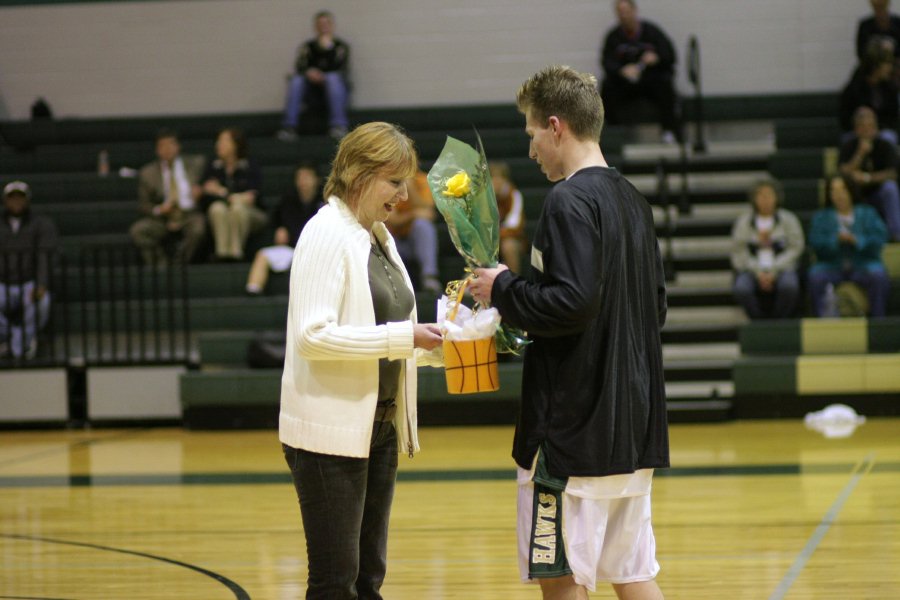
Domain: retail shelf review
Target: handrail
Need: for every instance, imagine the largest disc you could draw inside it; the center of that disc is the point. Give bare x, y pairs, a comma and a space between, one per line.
695, 77
665, 200
105, 306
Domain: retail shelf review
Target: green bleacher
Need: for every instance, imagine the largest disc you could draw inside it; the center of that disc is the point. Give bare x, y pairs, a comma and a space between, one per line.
59, 160
797, 363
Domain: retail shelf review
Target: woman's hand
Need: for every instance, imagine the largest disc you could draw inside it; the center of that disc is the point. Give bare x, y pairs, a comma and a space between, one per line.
214, 188
426, 336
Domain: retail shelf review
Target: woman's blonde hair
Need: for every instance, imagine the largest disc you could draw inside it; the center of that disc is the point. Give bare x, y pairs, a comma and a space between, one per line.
371, 150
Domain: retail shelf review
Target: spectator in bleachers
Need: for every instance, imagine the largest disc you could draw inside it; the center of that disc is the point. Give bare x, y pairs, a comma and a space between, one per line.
767, 242
882, 23
168, 194
231, 189
28, 243
638, 60
296, 208
511, 207
322, 61
872, 85
870, 162
412, 225
847, 238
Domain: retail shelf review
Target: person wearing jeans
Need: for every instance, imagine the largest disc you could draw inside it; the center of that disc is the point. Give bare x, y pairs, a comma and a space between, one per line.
767, 243
28, 244
415, 234
348, 393
847, 240
353, 548
869, 162
23, 312
322, 61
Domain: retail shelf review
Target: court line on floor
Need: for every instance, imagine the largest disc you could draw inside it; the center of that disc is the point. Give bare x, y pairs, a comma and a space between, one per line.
862, 468
239, 592
30, 598
71, 446
424, 476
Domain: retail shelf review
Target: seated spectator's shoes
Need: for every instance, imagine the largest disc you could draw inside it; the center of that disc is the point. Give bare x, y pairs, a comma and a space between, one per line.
287, 135
337, 133
669, 138
433, 285
31, 350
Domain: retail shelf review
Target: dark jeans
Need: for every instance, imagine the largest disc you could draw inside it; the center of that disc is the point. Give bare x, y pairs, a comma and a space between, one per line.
346, 504
874, 281
335, 93
618, 93
781, 301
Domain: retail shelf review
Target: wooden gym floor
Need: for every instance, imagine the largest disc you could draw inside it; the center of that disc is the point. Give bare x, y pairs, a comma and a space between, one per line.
760, 509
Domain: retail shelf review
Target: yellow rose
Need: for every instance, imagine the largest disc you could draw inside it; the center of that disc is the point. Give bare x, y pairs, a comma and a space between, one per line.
458, 185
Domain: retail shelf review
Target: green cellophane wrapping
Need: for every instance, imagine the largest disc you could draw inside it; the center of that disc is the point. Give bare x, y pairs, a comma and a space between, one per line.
473, 219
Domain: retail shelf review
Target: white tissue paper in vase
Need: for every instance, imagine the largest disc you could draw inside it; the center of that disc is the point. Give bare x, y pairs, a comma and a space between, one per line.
467, 325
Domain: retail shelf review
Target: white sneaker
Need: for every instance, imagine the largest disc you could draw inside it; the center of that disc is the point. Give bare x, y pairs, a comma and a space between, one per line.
433, 285
337, 133
668, 138
31, 350
287, 135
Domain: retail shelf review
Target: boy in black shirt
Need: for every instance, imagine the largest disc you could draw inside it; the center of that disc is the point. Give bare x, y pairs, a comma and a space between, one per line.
592, 425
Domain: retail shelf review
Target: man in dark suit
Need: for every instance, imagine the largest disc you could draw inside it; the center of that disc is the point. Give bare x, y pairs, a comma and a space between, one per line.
168, 191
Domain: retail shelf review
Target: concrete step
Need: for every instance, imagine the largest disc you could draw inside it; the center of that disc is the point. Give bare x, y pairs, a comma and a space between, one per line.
735, 150
707, 315
699, 389
736, 182
701, 352
702, 279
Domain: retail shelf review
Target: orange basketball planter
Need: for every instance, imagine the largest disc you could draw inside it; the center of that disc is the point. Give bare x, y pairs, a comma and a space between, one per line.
471, 366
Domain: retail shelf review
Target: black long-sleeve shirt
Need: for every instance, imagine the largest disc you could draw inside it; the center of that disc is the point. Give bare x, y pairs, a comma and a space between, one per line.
620, 50
312, 55
868, 28
882, 98
292, 213
593, 393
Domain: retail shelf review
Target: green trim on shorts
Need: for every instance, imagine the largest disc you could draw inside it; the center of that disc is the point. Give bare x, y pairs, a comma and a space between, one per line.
547, 550
542, 474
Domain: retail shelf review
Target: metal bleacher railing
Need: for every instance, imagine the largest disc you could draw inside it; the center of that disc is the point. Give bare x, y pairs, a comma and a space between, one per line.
694, 76
102, 307
665, 201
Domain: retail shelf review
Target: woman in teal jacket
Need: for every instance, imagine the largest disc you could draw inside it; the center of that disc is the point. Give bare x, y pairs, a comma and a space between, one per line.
847, 239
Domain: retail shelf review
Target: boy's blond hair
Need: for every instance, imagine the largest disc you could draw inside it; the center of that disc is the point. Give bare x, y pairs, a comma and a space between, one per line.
563, 92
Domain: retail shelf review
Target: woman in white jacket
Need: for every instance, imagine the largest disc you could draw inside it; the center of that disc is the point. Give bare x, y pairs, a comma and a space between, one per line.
348, 394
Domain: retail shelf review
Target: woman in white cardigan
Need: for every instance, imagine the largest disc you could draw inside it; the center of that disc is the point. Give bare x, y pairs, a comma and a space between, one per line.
348, 393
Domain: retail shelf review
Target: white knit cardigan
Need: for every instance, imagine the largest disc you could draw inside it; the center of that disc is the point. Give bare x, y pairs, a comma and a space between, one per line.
330, 384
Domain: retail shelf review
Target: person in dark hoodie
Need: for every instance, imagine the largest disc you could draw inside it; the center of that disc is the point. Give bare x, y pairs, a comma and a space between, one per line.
296, 208
27, 245
638, 60
592, 424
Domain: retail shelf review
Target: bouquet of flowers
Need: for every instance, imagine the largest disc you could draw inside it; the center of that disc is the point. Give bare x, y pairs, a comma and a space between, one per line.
461, 187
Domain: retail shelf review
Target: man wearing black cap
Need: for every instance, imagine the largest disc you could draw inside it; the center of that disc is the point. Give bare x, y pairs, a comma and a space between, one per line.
27, 246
